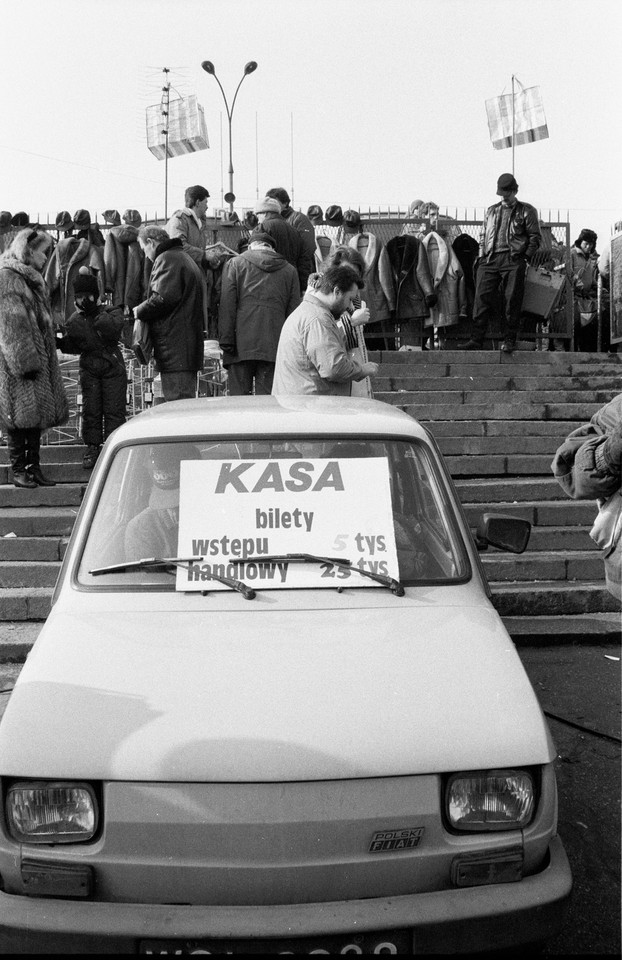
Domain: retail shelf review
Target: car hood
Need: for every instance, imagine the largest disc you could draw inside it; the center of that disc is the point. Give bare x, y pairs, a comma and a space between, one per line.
272, 696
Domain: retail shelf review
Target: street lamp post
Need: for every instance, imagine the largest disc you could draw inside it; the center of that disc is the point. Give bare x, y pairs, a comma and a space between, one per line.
209, 67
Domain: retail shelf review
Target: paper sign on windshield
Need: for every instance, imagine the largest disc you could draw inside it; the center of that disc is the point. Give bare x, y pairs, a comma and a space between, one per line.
237, 514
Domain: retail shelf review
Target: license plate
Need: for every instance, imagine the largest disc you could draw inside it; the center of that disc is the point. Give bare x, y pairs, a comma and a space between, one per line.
385, 942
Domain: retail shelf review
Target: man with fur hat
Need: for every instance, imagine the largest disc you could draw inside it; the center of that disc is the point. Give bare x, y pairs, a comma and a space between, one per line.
509, 238
259, 291
286, 238
93, 332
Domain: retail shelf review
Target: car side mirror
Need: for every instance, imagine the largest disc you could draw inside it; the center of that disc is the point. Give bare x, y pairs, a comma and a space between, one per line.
506, 533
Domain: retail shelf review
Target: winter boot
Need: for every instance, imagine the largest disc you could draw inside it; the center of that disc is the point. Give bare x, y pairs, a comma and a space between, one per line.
90, 457
33, 464
16, 441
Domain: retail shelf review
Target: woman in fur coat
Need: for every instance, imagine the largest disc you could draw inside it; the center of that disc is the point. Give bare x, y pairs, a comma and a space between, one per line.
32, 395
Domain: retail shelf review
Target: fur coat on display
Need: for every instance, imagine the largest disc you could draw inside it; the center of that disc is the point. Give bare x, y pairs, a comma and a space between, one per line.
69, 255
27, 346
324, 248
379, 294
448, 281
124, 266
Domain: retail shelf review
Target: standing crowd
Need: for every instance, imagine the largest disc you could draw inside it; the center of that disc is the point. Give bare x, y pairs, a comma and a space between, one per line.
289, 308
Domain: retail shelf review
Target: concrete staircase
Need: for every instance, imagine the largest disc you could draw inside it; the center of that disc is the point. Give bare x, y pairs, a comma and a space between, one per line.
498, 420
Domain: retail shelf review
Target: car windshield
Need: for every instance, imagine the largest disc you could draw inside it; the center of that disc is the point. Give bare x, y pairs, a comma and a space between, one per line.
235, 509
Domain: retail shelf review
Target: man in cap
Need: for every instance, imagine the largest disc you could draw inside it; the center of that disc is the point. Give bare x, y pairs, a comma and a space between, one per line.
287, 240
509, 238
190, 224
312, 356
173, 310
259, 290
298, 220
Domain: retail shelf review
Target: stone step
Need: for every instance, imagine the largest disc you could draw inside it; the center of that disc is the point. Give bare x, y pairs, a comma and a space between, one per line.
500, 466
28, 574
549, 539
16, 640
449, 396
37, 521
25, 603
63, 495
53, 453
519, 410
568, 513
501, 428
31, 549
510, 491
547, 566
61, 473
572, 628
489, 446
552, 598
385, 382
566, 362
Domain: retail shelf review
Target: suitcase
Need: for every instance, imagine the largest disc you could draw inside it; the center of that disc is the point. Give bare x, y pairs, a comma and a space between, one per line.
542, 290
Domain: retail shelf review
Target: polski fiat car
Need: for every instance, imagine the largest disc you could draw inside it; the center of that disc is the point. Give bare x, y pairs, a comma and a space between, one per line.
273, 708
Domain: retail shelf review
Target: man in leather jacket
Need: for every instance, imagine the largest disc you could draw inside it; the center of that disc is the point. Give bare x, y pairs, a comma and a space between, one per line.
509, 238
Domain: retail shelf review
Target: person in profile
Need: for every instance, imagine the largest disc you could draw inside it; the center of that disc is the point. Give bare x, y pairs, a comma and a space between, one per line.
153, 532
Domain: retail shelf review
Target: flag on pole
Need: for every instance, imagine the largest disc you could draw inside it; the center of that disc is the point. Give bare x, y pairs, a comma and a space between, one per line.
529, 118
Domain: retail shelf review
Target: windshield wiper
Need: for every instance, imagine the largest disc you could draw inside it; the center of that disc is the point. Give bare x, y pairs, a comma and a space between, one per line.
247, 592
394, 585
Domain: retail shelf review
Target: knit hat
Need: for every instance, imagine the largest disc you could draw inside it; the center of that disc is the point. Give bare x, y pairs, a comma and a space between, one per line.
112, 217
268, 205
132, 218
261, 235
85, 283
20, 219
352, 220
82, 219
334, 215
315, 213
64, 221
5, 220
250, 220
506, 182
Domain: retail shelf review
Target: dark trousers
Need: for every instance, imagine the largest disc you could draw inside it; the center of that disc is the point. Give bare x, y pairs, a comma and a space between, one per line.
243, 373
179, 384
499, 272
104, 400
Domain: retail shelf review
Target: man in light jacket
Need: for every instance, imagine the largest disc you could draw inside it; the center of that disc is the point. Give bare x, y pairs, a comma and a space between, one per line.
312, 357
190, 224
259, 290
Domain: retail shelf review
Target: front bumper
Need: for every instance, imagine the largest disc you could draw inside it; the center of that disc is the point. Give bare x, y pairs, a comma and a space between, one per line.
449, 921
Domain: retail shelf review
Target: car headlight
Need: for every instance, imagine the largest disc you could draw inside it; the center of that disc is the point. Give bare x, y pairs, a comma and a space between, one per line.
51, 812
491, 800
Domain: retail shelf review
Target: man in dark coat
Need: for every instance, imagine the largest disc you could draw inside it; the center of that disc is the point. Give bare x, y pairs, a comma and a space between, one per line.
299, 221
287, 239
510, 236
259, 291
174, 312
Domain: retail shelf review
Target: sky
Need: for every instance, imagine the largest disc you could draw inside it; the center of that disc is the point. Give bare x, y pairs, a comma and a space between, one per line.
363, 103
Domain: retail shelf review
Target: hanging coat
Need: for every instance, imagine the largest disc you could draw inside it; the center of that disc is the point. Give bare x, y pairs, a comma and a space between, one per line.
123, 262
69, 255
448, 281
412, 283
379, 293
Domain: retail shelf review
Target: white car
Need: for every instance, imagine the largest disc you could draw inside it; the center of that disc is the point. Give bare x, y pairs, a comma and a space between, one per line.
273, 708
